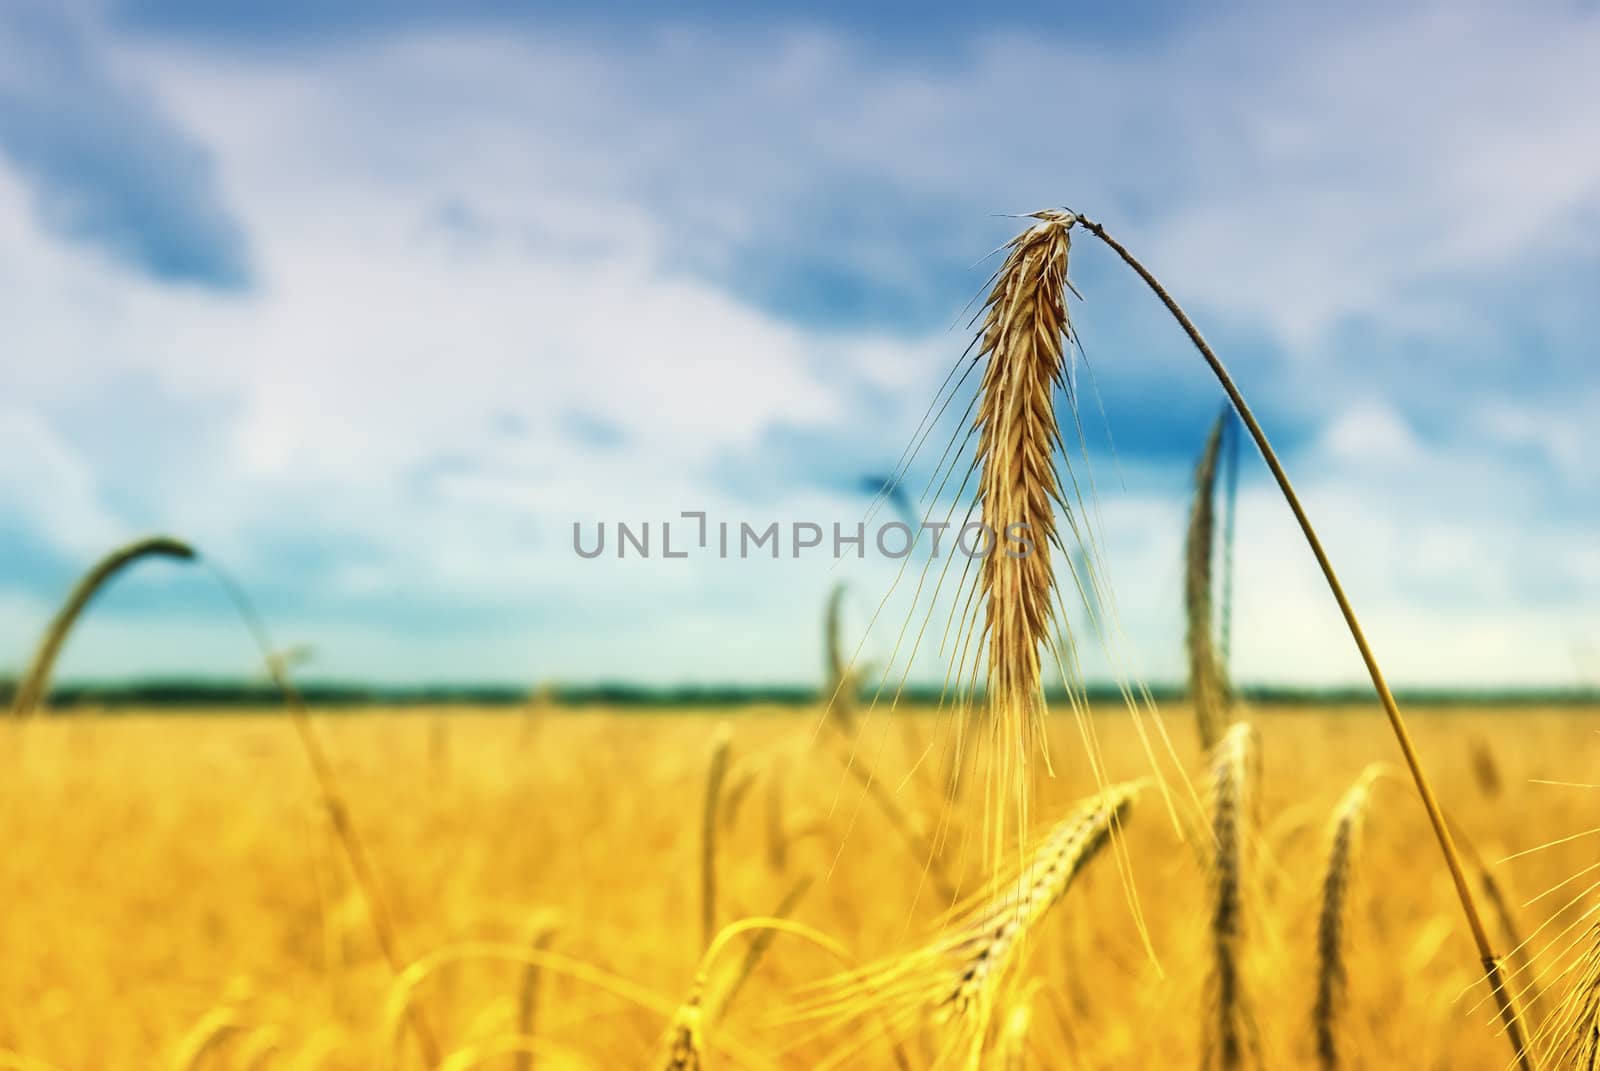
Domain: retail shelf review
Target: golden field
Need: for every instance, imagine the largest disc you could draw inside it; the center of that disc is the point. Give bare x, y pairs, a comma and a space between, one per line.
170, 873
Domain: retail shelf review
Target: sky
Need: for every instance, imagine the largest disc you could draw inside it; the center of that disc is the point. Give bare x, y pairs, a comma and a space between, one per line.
372, 302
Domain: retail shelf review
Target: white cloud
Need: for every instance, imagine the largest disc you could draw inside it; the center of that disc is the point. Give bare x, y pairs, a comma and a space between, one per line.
467, 244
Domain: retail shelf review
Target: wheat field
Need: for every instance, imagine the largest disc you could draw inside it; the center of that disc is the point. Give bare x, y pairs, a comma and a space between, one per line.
177, 898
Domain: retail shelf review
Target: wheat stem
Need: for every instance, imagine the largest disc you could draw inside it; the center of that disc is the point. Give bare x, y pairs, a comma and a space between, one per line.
1469, 907
333, 801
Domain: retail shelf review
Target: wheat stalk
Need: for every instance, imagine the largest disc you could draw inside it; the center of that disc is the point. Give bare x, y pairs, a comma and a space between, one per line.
1208, 686
1231, 1041
334, 802
1480, 935
1332, 976
761, 943
36, 682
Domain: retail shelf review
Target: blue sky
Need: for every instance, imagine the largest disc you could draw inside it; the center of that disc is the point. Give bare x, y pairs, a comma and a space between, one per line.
373, 305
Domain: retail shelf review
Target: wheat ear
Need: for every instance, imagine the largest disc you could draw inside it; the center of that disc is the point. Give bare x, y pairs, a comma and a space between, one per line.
959, 976
1570, 1037
1208, 688
1231, 1042
1480, 935
1349, 817
36, 682
1024, 336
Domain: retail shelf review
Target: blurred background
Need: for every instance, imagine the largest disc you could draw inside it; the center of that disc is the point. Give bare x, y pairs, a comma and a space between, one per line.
372, 305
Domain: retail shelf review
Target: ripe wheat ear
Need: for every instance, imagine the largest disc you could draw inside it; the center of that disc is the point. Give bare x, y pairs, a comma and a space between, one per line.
1349, 819
1208, 687
959, 978
1024, 338
1231, 1040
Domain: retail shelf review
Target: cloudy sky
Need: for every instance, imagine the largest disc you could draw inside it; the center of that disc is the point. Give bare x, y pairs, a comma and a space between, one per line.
373, 306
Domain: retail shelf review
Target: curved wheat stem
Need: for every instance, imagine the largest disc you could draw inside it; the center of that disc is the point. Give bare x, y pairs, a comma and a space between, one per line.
686, 1034
1208, 688
762, 942
257, 1050
206, 1037
36, 682
1480, 935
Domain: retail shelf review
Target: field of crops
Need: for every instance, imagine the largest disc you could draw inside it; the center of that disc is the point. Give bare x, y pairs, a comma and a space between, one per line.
178, 897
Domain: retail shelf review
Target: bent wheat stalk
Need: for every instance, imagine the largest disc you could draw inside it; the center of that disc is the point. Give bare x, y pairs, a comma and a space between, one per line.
685, 1041
338, 810
1480, 935
31, 691
206, 1037
1208, 688
257, 1050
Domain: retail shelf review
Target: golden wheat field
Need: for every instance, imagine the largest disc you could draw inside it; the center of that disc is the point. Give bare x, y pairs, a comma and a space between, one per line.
177, 896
